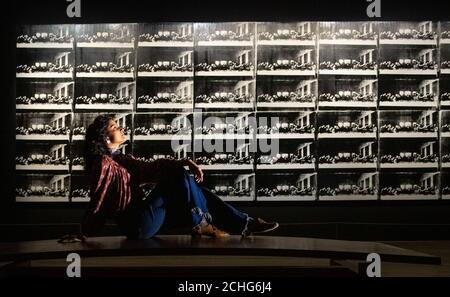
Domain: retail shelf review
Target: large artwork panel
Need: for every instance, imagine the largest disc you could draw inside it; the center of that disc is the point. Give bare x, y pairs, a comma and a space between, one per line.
272, 111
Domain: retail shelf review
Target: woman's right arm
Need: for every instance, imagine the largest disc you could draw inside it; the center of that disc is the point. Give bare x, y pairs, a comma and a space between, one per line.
109, 192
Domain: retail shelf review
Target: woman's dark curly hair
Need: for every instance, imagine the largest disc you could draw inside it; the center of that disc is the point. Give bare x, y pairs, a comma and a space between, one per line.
94, 146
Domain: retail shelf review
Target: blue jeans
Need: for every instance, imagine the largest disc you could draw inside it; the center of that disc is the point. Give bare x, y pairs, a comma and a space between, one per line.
178, 201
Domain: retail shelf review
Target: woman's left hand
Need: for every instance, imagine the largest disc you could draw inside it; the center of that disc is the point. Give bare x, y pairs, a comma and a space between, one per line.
196, 170
70, 238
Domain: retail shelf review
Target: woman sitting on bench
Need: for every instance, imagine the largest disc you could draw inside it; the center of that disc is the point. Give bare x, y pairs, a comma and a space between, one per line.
177, 199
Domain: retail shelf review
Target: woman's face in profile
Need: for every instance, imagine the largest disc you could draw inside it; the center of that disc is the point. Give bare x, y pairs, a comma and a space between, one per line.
115, 134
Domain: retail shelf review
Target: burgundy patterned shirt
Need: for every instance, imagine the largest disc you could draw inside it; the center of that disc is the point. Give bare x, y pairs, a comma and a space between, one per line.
117, 179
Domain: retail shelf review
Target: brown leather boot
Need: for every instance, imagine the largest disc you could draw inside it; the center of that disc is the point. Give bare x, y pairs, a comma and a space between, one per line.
208, 230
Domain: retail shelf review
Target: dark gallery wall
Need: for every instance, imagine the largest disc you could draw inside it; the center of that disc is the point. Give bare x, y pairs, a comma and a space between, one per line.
363, 220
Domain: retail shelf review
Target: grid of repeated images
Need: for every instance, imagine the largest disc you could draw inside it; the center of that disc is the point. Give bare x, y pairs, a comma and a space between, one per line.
363, 107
